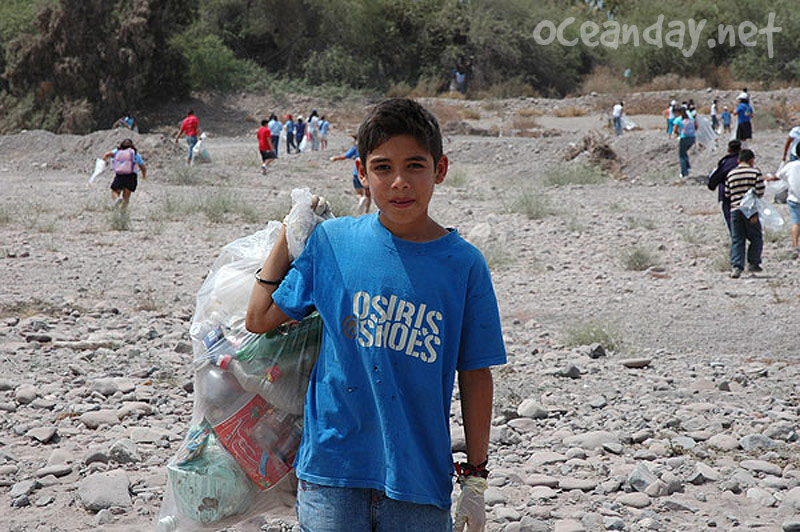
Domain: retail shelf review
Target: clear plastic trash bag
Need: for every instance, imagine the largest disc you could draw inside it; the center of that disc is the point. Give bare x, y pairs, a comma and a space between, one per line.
771, 220
705, 134
236, 459
99, 167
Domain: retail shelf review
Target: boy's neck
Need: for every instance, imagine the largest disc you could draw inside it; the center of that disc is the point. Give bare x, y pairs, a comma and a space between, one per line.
426, 232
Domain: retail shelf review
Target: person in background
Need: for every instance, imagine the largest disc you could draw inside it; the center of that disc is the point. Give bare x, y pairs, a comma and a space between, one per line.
790, 173
128, 121
275, 128
362, 192
743, 228
313, 130
191, 128
126, 163
289, 127
686, 131
744, 119
616, 116
727, 119
265, 147
324, 126
716, 179
299, 132
714, 117
670, 115
790, 147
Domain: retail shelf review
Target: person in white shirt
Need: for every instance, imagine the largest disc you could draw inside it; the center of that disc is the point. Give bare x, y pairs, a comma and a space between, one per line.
791, 144
714, 116
616, 115
790, 173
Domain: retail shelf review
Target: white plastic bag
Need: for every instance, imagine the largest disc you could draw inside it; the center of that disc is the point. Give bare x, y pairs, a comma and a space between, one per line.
628, 124
303, 143
705, 133
199, 152
301, 221
99, 167
235, 461
771, 219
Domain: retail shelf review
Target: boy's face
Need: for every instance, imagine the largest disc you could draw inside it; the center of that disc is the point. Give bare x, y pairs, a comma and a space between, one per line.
401, 176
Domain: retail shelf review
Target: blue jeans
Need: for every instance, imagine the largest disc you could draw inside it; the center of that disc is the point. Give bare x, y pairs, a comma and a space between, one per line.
331, 509
742, 230
191, 141
275, 141
618, 125
683, 154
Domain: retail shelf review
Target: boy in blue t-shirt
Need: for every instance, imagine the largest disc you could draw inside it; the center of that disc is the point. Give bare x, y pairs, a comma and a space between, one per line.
406, 304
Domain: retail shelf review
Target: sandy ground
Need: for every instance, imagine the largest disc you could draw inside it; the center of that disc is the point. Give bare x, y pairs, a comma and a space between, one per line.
557, 248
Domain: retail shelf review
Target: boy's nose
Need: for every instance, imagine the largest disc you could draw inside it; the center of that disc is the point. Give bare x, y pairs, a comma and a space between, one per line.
399, 181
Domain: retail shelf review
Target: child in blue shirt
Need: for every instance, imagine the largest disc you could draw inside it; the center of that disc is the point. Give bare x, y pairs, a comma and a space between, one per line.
406, 304
726, 120
289, 127
362, 192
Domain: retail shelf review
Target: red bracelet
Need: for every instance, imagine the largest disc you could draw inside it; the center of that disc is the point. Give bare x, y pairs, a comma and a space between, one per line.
465, 469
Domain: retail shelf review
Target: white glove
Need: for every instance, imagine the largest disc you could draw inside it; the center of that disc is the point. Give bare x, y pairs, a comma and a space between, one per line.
470, 507
307, 211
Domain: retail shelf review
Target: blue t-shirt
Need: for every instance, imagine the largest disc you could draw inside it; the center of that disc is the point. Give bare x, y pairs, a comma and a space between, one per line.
685, 129
726, 117
352, 153
289, 127
324, 126
400, 318
299, 130
743, 112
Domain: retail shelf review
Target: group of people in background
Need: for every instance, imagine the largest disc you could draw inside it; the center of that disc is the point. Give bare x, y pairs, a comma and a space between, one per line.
299, 134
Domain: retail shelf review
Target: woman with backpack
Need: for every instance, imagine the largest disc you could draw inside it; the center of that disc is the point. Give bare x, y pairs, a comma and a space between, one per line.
126, 162
686, 129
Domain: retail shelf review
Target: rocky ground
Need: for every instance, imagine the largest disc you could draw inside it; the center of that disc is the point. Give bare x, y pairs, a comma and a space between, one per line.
645, 390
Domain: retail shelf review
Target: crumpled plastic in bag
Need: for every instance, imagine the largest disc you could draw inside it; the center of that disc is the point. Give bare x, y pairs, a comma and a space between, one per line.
771, 220
247, 419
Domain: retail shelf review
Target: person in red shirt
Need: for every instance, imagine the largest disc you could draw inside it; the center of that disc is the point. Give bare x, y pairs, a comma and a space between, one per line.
190, 127
265, 146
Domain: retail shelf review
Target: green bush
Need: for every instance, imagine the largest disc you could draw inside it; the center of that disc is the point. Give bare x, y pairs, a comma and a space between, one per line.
532, 204
212, 65
638, 259
594, 331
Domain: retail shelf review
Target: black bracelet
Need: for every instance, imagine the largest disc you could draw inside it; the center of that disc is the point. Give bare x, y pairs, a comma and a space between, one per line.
465, 469
265, 281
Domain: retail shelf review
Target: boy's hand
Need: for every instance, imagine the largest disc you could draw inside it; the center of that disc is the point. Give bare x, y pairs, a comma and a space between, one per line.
470, 507
306, 213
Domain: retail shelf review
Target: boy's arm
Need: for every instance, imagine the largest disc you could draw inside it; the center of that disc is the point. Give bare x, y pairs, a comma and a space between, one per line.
263, 315
477, 389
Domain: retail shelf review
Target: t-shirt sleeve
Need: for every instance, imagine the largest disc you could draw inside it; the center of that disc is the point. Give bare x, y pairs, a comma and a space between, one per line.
295, 295
351, 153
139, 160
482, 336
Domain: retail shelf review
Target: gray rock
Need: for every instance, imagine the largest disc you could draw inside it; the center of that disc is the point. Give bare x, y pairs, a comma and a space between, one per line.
96, 418
24, 487
124, 451
58, 470
104, 517
761, 496
25, 394
545, 457
591, 440
613, 447
613, 523
634, 500
494, 496
792, 499
596, 351
568, 525
761, 466
42, 434
504, 513
781, 430
641, 477
723, 442
636, 363
541, 480
583, 484
530, 408
96, 455
571, 371
753, 442
105, 490
703, 474
104, 386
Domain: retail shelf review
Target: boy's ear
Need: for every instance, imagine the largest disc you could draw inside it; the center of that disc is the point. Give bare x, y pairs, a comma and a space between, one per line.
441, 169
362, 172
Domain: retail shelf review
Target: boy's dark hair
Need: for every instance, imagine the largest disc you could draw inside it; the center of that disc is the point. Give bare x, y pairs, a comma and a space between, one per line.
745, 156
264, 122
797, 150
400, 116
190, 112
735, 146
